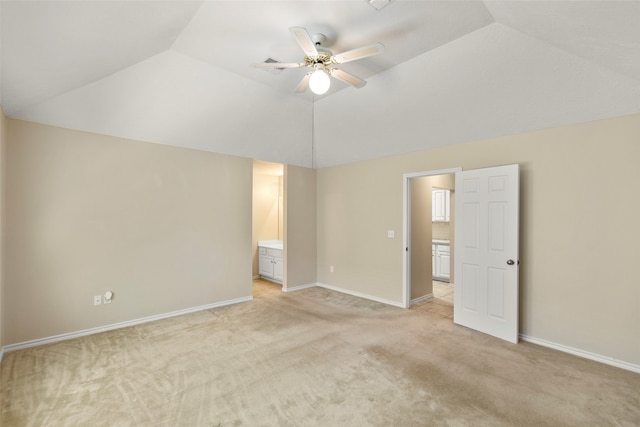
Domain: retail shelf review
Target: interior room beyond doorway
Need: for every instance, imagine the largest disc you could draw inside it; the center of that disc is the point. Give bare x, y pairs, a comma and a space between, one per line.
268, 219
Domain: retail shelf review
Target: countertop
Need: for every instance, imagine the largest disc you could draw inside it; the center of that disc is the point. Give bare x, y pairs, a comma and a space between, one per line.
440, 242
272, 244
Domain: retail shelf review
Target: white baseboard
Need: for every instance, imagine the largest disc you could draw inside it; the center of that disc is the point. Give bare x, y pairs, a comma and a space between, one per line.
361, 295
299, 287
348, 292
582, 353
533, 340
420, 299
120, 325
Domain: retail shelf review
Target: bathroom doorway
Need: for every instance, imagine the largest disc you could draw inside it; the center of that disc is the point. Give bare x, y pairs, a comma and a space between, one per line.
268, 221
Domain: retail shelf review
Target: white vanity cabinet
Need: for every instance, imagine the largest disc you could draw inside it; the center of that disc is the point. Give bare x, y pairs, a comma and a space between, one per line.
440, 205
441, 260
270, 262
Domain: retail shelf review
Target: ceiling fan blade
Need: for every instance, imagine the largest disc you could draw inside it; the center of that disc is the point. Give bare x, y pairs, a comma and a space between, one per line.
304, 83
277, 65
359, 53
304, 40
347, 78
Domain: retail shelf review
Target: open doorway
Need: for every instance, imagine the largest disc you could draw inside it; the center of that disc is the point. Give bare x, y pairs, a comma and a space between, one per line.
429, 218
486, 267
268, 226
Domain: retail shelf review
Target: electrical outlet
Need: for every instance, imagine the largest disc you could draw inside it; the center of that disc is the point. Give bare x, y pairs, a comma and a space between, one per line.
108, 296
97, 300
331, 269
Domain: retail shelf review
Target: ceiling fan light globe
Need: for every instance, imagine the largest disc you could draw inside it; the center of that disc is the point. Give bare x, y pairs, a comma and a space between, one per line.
319, 82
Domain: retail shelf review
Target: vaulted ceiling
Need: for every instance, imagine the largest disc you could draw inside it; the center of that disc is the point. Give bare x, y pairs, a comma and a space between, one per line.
178, 72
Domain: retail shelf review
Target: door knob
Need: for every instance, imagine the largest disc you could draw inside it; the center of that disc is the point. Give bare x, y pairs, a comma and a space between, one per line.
510, 262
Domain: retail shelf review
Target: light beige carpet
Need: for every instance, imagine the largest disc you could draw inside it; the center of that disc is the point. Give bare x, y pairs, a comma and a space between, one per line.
309, 358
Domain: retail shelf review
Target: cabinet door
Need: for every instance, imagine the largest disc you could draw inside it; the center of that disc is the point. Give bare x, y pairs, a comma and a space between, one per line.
433, 261
441, 262
447, 205
437, 205
440, 205
265, 266
444, 263
278, 269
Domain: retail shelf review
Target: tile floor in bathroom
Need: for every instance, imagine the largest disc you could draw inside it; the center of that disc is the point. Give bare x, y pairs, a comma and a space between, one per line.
441, 303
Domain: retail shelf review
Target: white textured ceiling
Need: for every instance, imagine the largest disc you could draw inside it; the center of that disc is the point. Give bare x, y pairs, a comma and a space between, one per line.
177, 72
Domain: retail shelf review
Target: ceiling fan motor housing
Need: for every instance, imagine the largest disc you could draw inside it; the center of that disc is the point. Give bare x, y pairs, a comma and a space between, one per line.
324, 54
318, 39
323, 58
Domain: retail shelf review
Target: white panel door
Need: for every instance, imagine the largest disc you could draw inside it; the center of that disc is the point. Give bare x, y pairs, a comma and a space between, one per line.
486, 244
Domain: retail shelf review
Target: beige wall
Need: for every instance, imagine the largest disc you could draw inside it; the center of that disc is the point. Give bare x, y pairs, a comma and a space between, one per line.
164, 228
168, 228
300, 226
579, 228
420, 246
441, 230
3, 151
268, 212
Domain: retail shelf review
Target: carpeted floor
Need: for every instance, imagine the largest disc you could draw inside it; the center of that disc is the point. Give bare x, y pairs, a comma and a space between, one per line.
309, 358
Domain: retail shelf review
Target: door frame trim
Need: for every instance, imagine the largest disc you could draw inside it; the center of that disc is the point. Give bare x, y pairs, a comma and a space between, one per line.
406, 231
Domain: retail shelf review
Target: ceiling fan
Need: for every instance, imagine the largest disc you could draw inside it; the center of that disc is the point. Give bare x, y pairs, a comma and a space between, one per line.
323, 62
